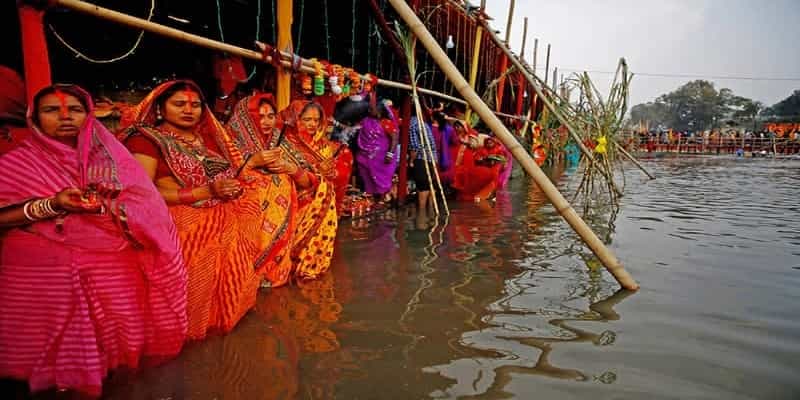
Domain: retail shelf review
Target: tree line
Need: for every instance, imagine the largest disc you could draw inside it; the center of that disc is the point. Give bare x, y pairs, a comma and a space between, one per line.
698, 105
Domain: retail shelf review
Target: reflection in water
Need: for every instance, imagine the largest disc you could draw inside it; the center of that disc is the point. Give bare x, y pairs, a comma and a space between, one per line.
502, 300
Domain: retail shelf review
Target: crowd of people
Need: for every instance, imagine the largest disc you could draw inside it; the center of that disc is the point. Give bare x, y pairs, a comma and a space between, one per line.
164, 231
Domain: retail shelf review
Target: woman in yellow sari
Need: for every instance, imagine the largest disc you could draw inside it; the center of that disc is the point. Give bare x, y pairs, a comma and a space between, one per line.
235, 227
306, 127
252, 130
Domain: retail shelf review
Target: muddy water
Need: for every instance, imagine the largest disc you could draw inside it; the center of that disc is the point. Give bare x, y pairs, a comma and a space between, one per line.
502, 301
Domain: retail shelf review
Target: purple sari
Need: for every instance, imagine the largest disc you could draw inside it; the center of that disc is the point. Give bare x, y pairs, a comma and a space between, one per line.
373, 144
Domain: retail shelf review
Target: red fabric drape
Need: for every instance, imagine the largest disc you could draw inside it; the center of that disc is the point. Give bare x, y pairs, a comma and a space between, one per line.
34, 50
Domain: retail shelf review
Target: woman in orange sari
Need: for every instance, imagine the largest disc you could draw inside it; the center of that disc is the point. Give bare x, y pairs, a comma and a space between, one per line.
252, 130
305, 127
234, 228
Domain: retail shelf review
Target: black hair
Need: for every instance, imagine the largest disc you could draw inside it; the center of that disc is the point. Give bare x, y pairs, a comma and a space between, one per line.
309, 106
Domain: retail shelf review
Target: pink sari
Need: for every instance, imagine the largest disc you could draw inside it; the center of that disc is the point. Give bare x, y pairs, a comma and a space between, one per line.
83, 294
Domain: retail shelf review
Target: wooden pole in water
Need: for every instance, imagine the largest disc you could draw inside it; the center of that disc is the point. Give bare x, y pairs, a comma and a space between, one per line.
553, 195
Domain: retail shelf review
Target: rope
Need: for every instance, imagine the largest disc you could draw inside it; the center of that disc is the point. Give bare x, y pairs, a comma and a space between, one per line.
353, 38
258, 34
79, 54
219, 23
274, 25
300, 28
327, 32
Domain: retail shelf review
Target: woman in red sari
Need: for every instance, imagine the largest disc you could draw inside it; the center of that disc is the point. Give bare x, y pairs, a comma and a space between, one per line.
252, 129
235, 229
91, 274
305, 126
476, 167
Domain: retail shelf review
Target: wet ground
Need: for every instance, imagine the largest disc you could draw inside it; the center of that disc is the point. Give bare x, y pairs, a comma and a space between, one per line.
502, 301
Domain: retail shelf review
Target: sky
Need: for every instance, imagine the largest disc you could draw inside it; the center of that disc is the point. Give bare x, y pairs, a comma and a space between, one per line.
712, 39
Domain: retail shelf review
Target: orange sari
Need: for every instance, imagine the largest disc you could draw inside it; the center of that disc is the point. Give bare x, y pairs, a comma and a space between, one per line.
229, 247
315, 231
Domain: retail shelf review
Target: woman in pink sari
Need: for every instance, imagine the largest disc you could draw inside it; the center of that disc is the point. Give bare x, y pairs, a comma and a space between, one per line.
91, 275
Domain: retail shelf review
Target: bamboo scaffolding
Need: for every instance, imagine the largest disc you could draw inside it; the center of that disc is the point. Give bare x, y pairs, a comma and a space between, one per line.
553, 195
305, 65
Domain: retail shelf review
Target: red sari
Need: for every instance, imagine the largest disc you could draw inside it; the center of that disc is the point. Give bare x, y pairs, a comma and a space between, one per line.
230, 246
475, 176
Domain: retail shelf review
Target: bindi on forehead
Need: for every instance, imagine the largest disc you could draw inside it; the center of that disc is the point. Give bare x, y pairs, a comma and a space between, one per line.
191, 96
62, 100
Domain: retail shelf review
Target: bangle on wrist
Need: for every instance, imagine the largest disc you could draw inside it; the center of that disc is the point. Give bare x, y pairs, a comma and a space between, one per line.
36, 210
186, 195
26, 211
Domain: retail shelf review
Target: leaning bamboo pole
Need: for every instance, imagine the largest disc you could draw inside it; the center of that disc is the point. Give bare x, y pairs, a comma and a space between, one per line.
553, 195
306, 65
633, 160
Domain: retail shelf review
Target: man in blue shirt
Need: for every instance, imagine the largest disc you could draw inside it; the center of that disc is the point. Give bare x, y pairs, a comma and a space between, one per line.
419, 156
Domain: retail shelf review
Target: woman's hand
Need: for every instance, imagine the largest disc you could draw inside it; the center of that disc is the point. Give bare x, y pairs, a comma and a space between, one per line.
226, 189
74, 200
281, 165
265, 157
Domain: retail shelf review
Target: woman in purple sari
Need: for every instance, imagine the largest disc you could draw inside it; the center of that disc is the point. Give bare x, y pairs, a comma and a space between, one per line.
376, 160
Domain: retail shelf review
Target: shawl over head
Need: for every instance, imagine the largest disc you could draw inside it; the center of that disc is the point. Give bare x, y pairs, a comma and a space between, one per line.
135, 214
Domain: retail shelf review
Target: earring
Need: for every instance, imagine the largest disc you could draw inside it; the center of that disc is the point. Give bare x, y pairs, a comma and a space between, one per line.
158, 115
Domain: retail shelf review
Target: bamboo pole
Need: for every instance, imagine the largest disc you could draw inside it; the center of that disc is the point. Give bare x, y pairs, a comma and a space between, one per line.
546, 64
501, 85
559, 202
524, 37
555, 77
632, 159
283, 90
473, 73
510, 19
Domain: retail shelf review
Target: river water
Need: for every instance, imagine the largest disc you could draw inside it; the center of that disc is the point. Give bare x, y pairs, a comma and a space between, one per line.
503, 301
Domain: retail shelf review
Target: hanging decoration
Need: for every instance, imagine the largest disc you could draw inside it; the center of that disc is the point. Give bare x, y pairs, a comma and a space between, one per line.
319, 78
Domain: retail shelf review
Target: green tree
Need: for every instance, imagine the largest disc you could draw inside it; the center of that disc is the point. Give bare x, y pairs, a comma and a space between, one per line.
697, 105
786, 108
651, 114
